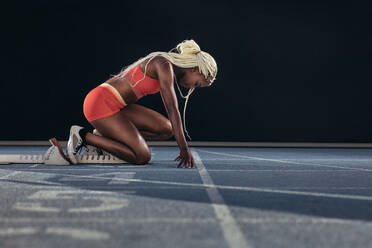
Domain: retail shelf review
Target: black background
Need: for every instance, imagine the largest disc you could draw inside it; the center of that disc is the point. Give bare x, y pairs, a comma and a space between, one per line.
288, 71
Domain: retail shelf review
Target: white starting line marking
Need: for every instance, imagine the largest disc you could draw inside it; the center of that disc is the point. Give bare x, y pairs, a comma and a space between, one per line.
284, 161
230, 228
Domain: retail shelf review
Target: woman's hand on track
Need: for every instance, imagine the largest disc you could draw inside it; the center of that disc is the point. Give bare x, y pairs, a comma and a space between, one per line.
186, 158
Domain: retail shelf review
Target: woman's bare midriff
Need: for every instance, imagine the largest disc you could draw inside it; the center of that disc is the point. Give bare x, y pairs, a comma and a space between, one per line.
123, 87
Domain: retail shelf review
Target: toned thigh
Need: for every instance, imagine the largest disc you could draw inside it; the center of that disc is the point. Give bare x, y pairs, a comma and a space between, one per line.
147, 119
121, 129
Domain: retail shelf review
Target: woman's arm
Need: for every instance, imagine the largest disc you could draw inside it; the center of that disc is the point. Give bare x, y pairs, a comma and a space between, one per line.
168, 94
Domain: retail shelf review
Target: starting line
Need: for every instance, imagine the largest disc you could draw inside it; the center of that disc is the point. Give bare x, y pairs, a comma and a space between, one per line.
55, 156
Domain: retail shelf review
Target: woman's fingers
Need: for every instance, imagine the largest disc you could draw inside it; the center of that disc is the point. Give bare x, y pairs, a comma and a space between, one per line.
184, 163
187, 163
178, 166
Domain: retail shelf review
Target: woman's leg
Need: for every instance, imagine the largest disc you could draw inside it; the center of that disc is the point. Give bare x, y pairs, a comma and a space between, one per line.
151, 124
120, 138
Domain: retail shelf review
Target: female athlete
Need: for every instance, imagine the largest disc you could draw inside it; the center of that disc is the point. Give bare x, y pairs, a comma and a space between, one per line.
121, 126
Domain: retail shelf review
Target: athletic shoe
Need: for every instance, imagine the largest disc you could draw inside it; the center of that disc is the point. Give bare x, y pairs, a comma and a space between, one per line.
75, 143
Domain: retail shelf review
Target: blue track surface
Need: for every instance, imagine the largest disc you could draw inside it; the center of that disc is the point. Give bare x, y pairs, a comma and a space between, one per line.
237, 197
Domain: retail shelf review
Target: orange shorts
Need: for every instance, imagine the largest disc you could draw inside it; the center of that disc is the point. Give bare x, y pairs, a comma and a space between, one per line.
102, 101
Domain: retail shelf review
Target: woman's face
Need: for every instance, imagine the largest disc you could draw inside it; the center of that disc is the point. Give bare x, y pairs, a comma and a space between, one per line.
193, 78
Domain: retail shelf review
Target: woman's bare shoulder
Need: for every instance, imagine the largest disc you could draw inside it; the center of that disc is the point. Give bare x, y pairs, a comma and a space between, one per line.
160, 61
157, 63
162, 66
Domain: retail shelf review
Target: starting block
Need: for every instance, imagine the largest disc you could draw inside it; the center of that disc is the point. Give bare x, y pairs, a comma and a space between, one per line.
55, 156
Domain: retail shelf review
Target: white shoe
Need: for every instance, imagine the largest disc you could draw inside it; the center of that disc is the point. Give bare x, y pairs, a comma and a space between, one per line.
74, 144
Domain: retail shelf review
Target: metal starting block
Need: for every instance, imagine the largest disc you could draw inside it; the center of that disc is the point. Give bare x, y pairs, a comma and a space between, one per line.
55, 156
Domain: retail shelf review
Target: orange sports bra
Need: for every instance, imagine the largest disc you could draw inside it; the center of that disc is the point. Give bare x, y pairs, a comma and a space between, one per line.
146, 86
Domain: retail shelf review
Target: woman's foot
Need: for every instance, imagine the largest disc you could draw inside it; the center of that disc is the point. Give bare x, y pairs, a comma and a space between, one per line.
75, 142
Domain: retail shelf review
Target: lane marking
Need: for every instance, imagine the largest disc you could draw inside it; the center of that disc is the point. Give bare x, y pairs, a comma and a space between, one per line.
113, 181
107, 202
258, 220
254, 189
278, 170
34, 207
214, 170
122, 175
75, 233
283, 161
18, 231
230, 228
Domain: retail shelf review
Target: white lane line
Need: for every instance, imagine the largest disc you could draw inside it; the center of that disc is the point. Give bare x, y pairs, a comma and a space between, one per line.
18, 231
254, 189
258, 220
230, 228
76, 169
214, 170
115, 175
283, 161
81, 234
280, 170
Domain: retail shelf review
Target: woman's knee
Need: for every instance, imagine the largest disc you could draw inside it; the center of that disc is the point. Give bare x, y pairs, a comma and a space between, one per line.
143, 155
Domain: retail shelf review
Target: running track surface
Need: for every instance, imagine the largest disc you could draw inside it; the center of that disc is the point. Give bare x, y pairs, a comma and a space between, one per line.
237, 197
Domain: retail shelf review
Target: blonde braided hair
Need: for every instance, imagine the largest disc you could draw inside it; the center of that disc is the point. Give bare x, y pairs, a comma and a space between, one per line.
189, 55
